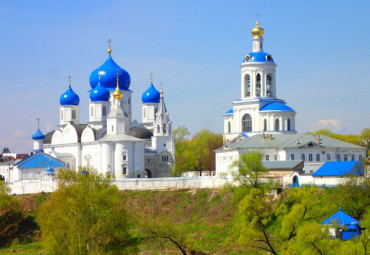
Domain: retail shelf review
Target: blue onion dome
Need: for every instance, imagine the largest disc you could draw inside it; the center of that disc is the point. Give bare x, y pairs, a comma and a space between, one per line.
99, 93
108, 72
38, 135
151, 95
69, 97
49, 169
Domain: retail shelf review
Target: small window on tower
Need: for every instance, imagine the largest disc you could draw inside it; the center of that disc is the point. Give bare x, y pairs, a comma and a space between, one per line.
144, 113
92, 111
73, 114
104, 111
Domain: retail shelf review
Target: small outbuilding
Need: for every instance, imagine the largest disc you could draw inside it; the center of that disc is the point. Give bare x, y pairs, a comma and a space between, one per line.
343, 226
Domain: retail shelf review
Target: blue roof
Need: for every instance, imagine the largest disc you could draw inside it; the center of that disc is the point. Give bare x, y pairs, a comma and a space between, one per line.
341, 218
38, 135
40, 160
99, 94
151, 95
259, 57
49, 169
69, 97
340, 168
276, 107
229, 112
245, 135
108, 73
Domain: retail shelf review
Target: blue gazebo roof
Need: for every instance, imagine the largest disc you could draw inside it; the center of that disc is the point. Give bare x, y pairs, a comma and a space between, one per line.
341, 218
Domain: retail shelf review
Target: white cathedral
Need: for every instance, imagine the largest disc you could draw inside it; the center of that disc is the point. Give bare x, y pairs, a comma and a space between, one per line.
111, 142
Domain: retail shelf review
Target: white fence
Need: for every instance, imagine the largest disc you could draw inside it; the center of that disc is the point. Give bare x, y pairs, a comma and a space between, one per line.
203, 182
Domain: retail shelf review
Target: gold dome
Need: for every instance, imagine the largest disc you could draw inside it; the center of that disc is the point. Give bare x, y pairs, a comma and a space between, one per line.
117, 94
258, 31
161, 92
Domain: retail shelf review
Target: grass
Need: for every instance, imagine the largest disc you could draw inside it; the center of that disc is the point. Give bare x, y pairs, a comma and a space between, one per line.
17, 248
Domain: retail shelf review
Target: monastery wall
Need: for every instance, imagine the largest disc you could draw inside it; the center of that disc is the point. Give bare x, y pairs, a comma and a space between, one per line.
204, 182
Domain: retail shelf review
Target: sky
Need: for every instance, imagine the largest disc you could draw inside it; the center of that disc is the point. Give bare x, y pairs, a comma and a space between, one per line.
195, 48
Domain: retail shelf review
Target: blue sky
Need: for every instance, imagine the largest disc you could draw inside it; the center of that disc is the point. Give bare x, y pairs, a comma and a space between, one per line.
195, 48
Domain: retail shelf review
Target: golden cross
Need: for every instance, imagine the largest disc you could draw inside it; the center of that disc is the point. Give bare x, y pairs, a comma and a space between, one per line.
257, 16
38, 122
161, 85
109, 41
69, 80
151, 77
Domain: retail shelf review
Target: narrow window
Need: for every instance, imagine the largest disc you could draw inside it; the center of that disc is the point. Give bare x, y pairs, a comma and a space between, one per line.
158, 129
269, 85
345, 157
359, 157
92, 111
73, 114
258, 85
61, 114
164, 129
303, 157
328, 157
112, 128
291, 156
267, 157
310, 158
247, 123
124, 170
144, 113
317, 157
247, 85
104, 111
228, 127
352, 157
124, 157
338, 157
275, 157
288, 125
277, 125
264, 125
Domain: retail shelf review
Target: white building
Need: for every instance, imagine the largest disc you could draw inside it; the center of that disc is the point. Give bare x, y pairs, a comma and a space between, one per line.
259, 121
111, 142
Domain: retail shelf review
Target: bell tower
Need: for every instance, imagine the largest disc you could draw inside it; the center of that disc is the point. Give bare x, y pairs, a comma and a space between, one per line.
258, 70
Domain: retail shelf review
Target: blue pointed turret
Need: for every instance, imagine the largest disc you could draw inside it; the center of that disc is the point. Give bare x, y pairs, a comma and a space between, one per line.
69, 97
38, 135
151, 95
99, 94
108, 72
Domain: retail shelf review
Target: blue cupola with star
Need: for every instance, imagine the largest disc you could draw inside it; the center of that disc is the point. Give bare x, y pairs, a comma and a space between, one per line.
151, 95
108, 72
38, 138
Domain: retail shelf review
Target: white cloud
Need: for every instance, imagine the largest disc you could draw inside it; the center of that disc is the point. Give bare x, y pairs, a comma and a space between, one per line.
331, 124
16, 134
49, 126
15, 140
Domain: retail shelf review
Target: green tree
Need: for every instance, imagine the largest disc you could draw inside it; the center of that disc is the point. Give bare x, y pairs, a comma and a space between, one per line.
249, 170
85, 216
10, 214
365, 139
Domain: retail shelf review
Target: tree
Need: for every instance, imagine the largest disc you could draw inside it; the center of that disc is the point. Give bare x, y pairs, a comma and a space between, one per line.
249, 170
10, 214
85, 216
365, 139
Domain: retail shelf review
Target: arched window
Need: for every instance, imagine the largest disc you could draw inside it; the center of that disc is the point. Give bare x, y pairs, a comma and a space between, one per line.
269, 85
264, 125
104, 111
247, 123
310, 157
317, 157
247, 85
258, 85
228, 127
144, 113
288, 125
73, 114
277, 125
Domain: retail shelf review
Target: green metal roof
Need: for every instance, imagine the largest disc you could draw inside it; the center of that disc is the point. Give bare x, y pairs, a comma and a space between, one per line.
289, 141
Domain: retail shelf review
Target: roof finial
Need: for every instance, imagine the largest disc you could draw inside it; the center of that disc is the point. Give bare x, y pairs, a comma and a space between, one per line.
38, 122
69, 80
109, 49
161, 88
117, 94
151, 77
99, 75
